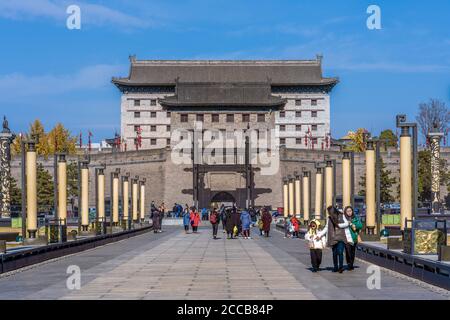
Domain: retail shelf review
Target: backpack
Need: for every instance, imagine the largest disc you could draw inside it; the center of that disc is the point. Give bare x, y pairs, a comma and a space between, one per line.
213, 218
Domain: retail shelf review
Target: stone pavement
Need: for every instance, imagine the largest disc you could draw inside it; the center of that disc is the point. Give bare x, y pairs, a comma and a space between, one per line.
175, 265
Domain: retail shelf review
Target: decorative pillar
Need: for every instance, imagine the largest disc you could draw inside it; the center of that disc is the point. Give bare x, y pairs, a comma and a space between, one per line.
318, 205
6, 138
370, 188
435, 145
291, 196
285, 198
329, 182
31, 185
62, 189
115, 198
298, 196
142, 200
101, 195
405, 176
134, 199
125, 198
346, 180
306, 195
84, 205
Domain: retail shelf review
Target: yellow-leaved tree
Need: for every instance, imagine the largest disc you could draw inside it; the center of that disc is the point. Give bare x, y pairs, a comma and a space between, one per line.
357, 140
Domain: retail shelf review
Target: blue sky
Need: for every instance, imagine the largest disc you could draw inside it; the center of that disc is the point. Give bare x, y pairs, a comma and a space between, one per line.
55, 74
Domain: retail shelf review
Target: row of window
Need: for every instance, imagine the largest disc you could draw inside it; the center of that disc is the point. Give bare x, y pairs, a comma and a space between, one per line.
137, 114
245, 117
298, 127
137, 103
299, 141
152, 128
298, 102
298, 114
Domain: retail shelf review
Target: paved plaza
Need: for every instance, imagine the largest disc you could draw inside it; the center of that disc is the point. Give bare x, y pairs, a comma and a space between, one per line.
175, 265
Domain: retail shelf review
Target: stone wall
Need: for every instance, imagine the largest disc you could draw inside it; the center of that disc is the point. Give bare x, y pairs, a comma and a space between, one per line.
170, 182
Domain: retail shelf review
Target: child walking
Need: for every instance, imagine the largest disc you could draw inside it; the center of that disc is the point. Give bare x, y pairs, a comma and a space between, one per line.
316, 245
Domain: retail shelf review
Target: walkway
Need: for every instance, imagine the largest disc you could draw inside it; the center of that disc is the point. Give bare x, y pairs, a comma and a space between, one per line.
173, 265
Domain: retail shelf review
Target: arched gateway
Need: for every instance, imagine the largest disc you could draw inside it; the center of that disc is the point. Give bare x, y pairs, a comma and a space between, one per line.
222, 197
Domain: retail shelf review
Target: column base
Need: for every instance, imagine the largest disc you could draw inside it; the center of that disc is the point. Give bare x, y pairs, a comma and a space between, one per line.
370, 230
32, 234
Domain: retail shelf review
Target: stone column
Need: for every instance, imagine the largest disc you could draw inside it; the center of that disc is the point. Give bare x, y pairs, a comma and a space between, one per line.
285, 198
31, 182
346, 180
329, 185
405, 176
6, 139
370, 188
435, 145
318, 204
126, 198
142, 201
62, 189
101, 195
298, 196
291, 197
115, 199
306, 195
84, 204
134, 199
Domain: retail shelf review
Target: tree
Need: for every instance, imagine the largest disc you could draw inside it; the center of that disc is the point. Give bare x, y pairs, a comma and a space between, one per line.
45, 189
57, 140
390, 137
357, 140
386, 183
72, 182
435, 111
15, 192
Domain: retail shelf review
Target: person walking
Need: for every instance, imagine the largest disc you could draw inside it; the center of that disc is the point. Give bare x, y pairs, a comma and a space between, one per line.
214, 218
316, 245
223, 217
229, 223
186, 220
236, 221
246, 221
155, 216
336, 238
162, 210
195, 219
295, 223
267, 220
352, 226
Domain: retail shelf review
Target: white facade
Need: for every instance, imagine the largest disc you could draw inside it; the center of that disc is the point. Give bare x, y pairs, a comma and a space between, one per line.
305, 115
149, 116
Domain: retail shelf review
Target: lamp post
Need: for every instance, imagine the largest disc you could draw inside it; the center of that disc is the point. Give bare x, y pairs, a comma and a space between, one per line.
318, 196
408, 170
291, 196
142, 199
330, 180
370, 187
346, 180
114, 215
285, 203
435, 141
84, 203
126, 200
31, 189
134, 198
62, 189
100, 197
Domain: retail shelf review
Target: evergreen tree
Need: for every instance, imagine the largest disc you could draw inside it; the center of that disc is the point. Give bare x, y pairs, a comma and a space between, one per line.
45, 189
390, 137
15, 192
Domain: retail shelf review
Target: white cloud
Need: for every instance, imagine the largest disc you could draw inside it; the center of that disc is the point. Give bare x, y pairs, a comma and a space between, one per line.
91, 14
18, 85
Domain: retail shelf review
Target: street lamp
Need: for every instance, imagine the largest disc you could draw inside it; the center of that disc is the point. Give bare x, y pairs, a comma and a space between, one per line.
408, 176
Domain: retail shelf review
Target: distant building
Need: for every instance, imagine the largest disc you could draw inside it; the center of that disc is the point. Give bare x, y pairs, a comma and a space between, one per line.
290, 96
